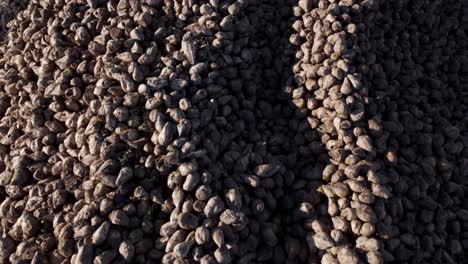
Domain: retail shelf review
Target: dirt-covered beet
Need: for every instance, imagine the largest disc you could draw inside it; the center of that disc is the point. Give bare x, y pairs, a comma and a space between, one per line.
234, 131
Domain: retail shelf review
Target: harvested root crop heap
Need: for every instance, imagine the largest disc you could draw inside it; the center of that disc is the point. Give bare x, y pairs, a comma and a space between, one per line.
234, 131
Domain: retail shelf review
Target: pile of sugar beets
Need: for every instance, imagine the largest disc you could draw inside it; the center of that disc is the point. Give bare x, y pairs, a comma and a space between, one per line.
234, 131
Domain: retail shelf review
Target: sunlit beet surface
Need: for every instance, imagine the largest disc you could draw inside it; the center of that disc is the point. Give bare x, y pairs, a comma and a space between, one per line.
233, 131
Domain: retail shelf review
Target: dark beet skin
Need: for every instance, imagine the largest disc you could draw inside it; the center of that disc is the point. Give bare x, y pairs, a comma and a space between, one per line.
240, 131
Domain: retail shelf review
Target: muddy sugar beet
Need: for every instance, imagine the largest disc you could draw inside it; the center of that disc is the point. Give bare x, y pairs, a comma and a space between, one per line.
241, 131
